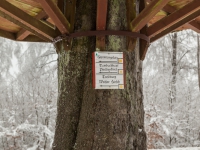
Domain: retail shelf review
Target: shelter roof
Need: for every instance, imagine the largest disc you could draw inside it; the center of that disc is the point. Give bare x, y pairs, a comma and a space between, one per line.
43, 20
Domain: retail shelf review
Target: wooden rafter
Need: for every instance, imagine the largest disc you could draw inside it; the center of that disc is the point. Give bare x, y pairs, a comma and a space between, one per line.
7, 35
169, 9
33, 38
176, 25
68, 9
20, 18
11, 36
22, 34
56, 15
194, 25
191, 25
33, 3
101, 22
143, 44
130, 15
146, 15
175, 18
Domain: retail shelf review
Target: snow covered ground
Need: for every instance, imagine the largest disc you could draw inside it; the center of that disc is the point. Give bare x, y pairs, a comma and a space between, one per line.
188, 148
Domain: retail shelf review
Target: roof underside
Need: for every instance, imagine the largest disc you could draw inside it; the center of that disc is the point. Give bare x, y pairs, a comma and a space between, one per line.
43, 20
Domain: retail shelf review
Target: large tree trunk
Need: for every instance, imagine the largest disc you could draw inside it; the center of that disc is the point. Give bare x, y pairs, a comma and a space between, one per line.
90, 119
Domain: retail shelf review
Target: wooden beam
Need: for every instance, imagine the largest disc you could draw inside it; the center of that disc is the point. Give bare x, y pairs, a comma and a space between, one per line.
7, 35
11, 36
56, 15
33, 3
22, 34
143, 44
101, 22
174, 18
68, 8
146, 15
22, 19
33, 38
131, 13
169, 9
176, 25
194, 25
61, 5
101, 14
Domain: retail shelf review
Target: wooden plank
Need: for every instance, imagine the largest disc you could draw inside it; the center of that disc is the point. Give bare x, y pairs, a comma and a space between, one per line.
7, 35
169, 9
11, 36
22, 34
176, 25
8, 26
69, 12
191, 25
42, 15
33, 3
143, 44
29, 9
174, 18
17, 16
146, 15
56, 15
131, 15
61, 5
101, 14
194, 25
33, 38
101, 22
68, 8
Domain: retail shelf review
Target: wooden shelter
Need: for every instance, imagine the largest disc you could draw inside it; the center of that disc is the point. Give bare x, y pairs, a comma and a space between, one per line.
46, 20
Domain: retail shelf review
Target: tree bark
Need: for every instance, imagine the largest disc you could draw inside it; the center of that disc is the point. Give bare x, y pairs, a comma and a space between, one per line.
90, 119
174, 71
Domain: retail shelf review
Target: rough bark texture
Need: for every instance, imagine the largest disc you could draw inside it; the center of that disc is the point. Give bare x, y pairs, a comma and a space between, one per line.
174, 71
90, 119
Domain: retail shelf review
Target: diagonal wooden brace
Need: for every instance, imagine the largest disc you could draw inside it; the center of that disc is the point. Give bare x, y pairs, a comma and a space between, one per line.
101, 23
130, 14
68, 9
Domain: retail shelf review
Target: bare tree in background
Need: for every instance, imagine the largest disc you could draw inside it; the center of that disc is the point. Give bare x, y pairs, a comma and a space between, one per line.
174, 70
198, 58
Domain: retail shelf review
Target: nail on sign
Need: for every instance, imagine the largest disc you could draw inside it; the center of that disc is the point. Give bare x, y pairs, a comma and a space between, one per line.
108, 70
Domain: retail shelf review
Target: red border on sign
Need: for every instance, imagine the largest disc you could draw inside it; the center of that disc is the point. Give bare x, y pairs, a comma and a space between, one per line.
93, 70
124, 68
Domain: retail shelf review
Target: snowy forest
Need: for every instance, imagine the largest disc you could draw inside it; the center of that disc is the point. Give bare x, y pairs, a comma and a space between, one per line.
171, 74
171, 85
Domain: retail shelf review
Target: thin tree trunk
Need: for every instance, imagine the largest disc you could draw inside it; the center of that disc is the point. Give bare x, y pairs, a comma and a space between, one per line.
90, 119
198, 58
174, 71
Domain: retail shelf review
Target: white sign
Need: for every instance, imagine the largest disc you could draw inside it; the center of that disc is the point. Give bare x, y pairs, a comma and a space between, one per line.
108, 70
